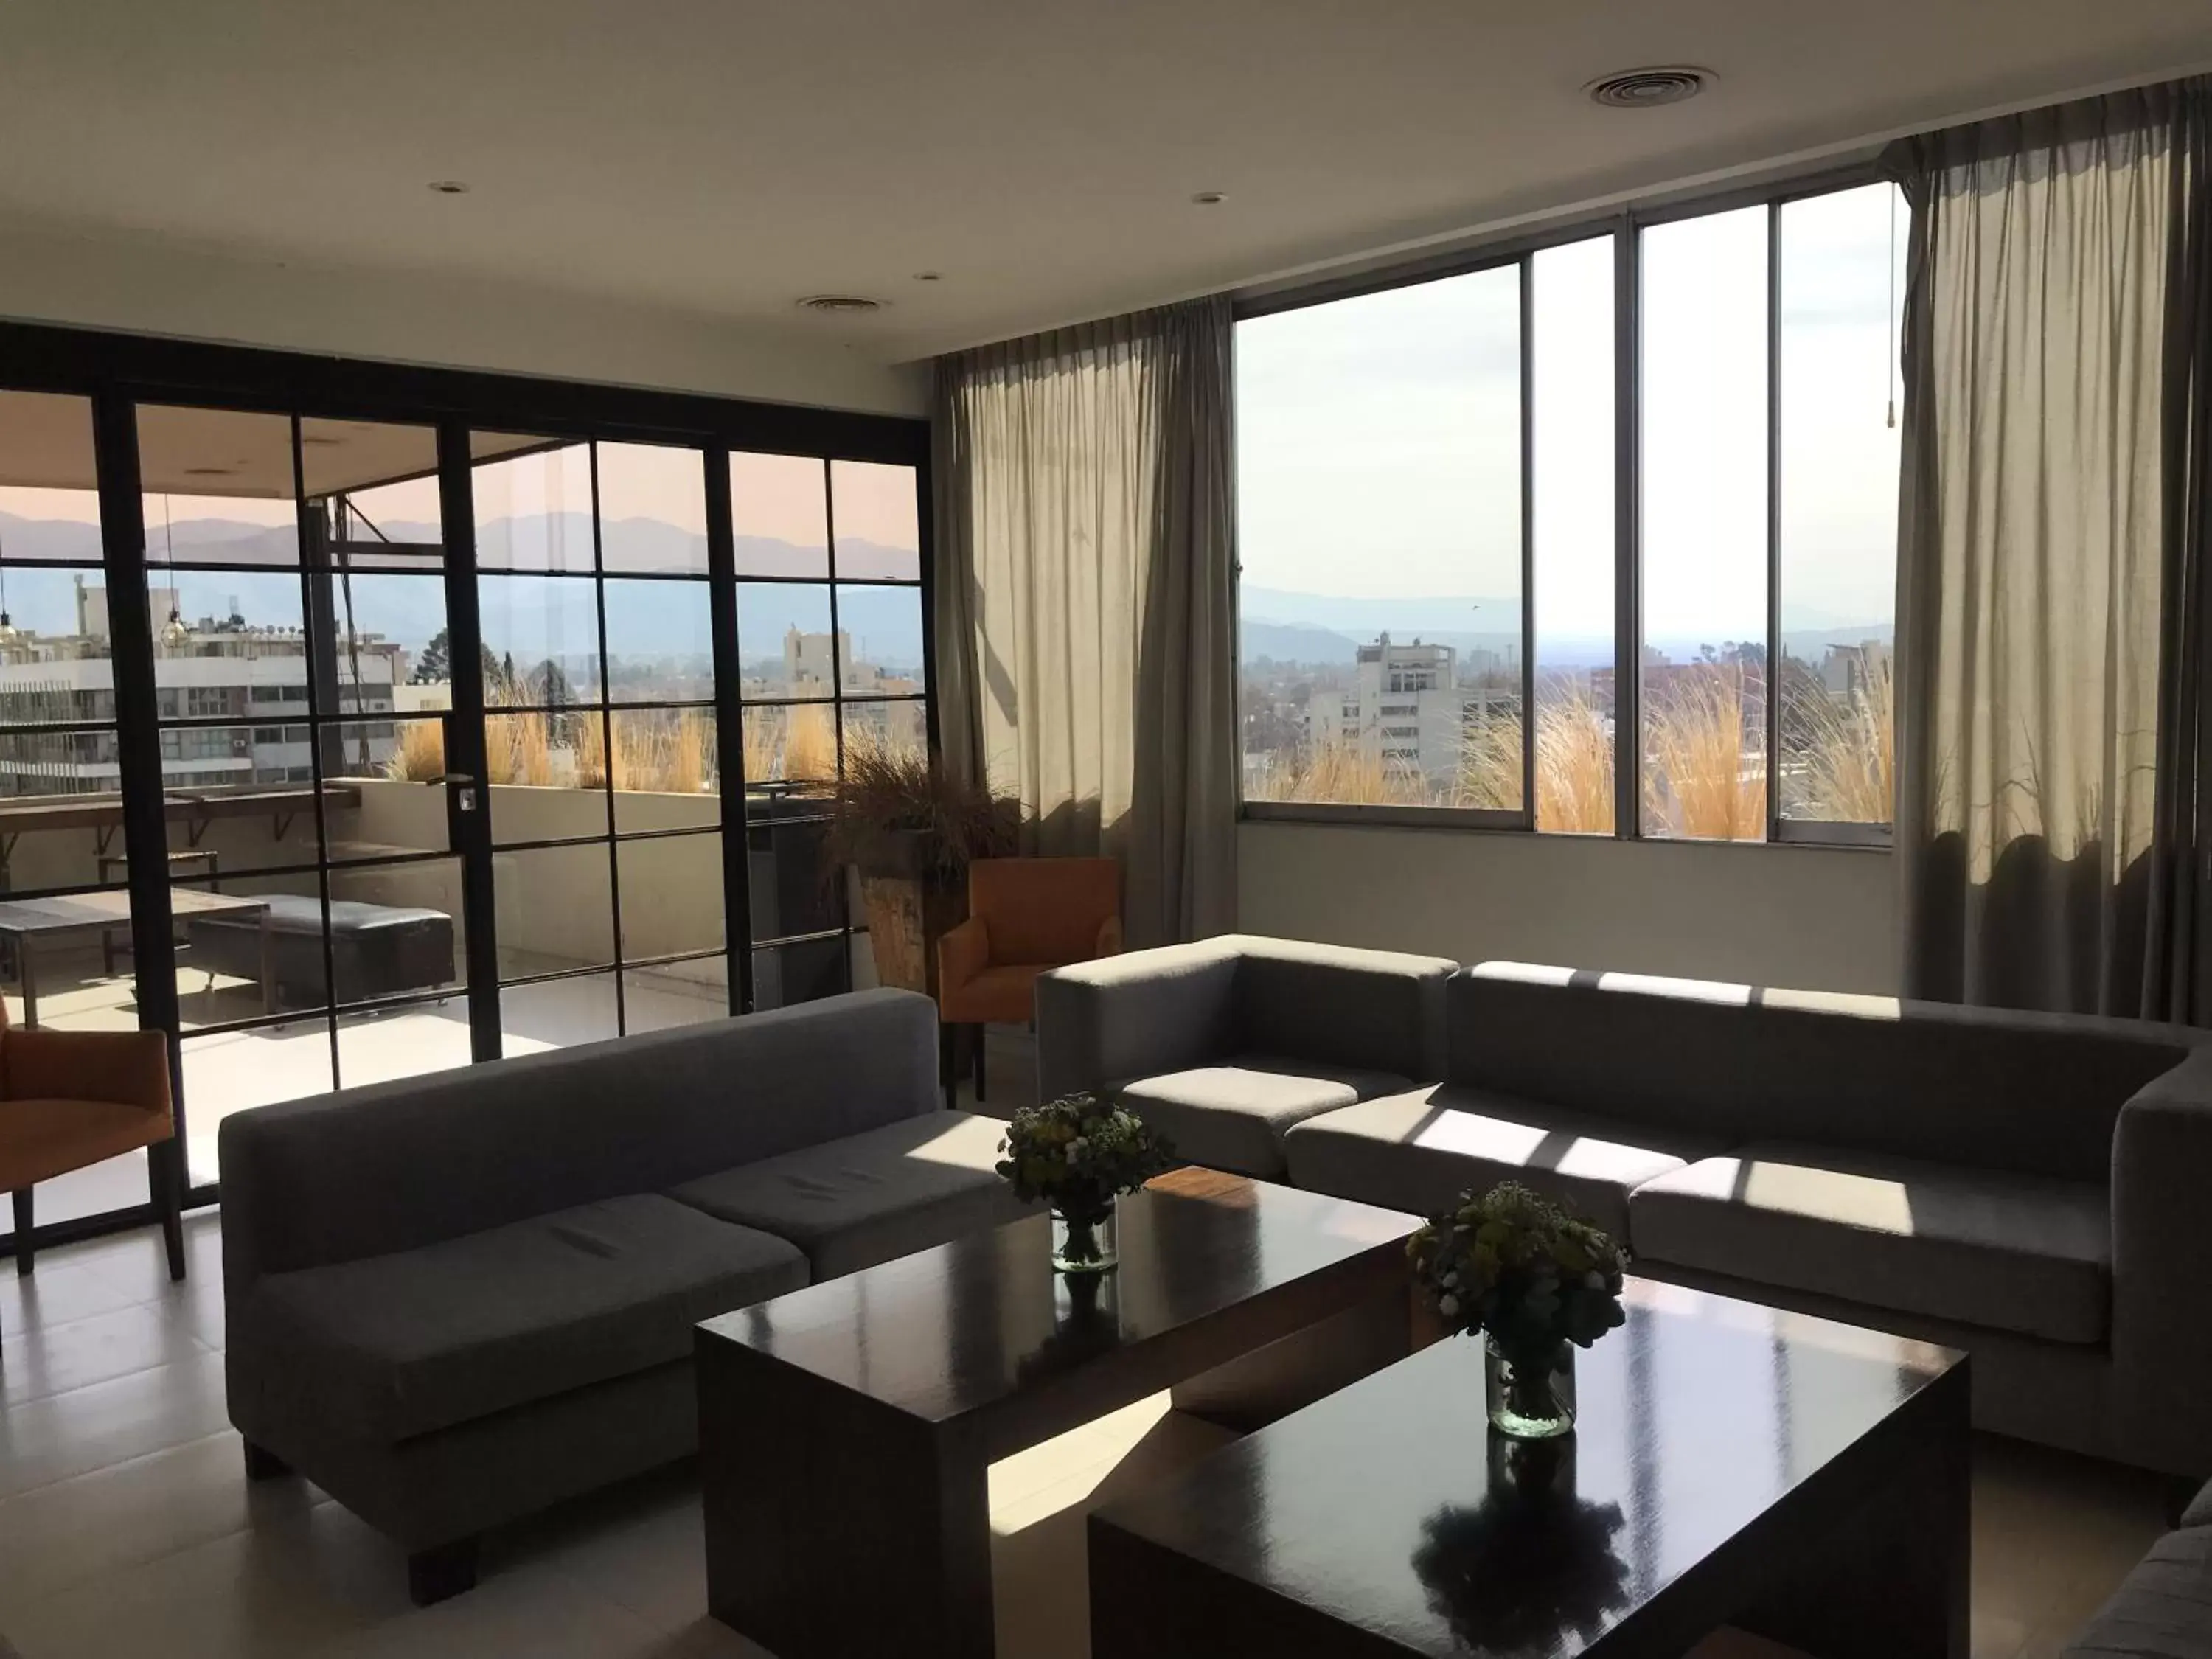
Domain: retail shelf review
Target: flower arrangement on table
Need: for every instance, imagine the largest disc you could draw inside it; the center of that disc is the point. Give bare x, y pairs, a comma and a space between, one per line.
1537, 1282
1078, 1154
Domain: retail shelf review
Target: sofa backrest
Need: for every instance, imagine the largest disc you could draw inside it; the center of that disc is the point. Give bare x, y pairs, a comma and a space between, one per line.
2035, 1093
399, 1164
1373, 1010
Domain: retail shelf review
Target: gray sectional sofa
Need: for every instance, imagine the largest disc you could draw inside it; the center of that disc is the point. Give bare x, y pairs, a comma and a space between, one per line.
2033, 1188
2163, 1609
455, 1299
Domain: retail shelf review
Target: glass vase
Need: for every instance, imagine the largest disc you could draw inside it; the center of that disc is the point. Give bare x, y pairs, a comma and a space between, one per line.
1083, 1240
1531, 1396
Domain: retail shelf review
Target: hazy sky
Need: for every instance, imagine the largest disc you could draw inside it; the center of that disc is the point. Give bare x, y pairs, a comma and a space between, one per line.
1379, 437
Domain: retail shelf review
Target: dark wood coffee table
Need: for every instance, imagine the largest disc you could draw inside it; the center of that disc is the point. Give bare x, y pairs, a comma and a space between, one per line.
844, 1429
1733, 1466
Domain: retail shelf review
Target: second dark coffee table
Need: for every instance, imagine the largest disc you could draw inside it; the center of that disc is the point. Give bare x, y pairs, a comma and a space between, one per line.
844, 1429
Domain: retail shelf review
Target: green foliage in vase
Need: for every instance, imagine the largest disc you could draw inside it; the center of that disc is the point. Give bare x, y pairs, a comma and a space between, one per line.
1078, 1154
1520, 1267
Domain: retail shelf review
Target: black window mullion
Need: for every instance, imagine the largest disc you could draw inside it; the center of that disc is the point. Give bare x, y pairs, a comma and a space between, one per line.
729, 729
322, 675
1527, 542
468, 828
607, 746
1628, 523
836, 695
1772, 671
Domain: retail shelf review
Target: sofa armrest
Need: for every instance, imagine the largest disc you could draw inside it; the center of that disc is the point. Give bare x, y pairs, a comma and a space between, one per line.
1134, 1015
123, 1068
2161, 1265
961, 953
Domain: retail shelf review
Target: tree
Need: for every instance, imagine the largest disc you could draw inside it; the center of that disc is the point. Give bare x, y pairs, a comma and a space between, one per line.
436, 665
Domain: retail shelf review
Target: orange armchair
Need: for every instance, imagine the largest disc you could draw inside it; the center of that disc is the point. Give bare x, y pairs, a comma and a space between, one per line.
1025, 917
71, 1098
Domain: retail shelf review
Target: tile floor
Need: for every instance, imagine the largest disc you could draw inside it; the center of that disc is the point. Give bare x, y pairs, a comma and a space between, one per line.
126, 1525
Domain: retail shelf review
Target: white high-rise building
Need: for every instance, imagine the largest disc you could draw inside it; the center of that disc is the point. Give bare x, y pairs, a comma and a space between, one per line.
1404, 708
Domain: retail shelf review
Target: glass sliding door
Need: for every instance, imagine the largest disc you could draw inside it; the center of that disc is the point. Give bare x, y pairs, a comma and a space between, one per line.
295, 576
66, 962
603, 776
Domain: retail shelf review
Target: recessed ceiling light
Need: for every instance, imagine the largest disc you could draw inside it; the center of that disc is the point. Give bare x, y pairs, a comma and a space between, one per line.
1210, 198
847, 304
319, 441
928, 276
1650, 88
449, 186
207, 472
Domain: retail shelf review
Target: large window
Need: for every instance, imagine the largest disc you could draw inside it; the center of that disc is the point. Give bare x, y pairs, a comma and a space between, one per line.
498, 721
1439, 520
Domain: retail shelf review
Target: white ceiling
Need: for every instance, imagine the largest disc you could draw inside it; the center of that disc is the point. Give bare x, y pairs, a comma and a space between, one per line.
724, 157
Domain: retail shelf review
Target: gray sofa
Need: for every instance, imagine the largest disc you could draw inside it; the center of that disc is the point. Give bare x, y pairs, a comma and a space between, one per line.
457, 1299
1225, 1045
2163, 1609
2031, 1188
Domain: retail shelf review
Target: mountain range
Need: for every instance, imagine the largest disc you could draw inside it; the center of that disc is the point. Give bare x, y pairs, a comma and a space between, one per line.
650, 620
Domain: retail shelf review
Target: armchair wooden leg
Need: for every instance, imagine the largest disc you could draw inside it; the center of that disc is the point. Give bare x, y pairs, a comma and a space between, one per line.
23, 1231
979, 1031
170, 1195
948, 1060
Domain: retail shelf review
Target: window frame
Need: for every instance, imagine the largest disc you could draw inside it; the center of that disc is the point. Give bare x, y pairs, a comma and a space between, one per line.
1625, 226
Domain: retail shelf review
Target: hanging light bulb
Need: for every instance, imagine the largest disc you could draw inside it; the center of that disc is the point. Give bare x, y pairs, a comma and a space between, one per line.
174, 633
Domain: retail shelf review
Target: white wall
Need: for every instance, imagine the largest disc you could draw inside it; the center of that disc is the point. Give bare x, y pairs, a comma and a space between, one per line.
1814, 918
151, 285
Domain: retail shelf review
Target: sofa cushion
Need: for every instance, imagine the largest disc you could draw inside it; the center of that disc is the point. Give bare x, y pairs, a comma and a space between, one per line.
2199, 1512
1233, 1116
2162, 1609
1984, 1247
387, 1346
870, 1197
1417, 1152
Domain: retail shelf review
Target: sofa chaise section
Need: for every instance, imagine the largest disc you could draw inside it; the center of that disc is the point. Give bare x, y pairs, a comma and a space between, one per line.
456, 1298
1224, 1046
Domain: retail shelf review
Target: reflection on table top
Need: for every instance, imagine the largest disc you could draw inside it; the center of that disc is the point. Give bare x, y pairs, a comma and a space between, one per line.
1391, 1507
963, 1327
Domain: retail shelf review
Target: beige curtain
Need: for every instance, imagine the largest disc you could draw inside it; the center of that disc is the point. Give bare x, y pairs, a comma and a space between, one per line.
2034, 525
1085, 627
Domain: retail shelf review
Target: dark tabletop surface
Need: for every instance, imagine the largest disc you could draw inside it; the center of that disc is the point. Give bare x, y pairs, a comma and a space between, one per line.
1391, 1507
960, 1328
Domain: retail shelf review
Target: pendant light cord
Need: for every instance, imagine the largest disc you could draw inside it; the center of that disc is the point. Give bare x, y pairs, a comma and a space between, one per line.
1890, 369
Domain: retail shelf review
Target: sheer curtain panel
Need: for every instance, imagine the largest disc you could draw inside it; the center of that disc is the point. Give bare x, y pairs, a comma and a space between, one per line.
1085, 624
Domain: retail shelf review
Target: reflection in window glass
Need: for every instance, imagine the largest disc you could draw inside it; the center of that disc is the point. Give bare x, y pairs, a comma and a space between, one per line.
666, 770
785, 647
555, 909
541, 637
785, 976
1703, 475
559, 1013
878, 533
676, 994
778, 511
218, 487
653, 509
1841, 258
374, 488
1378, 479
1572, 375
660, 641
534, 512
671, 890
882, 629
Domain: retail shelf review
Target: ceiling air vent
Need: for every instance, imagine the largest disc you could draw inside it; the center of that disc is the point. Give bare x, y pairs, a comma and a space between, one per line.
842, 304
1648, 89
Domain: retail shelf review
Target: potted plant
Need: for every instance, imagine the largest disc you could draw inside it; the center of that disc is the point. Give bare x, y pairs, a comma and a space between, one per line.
909, 831
1537, 1283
